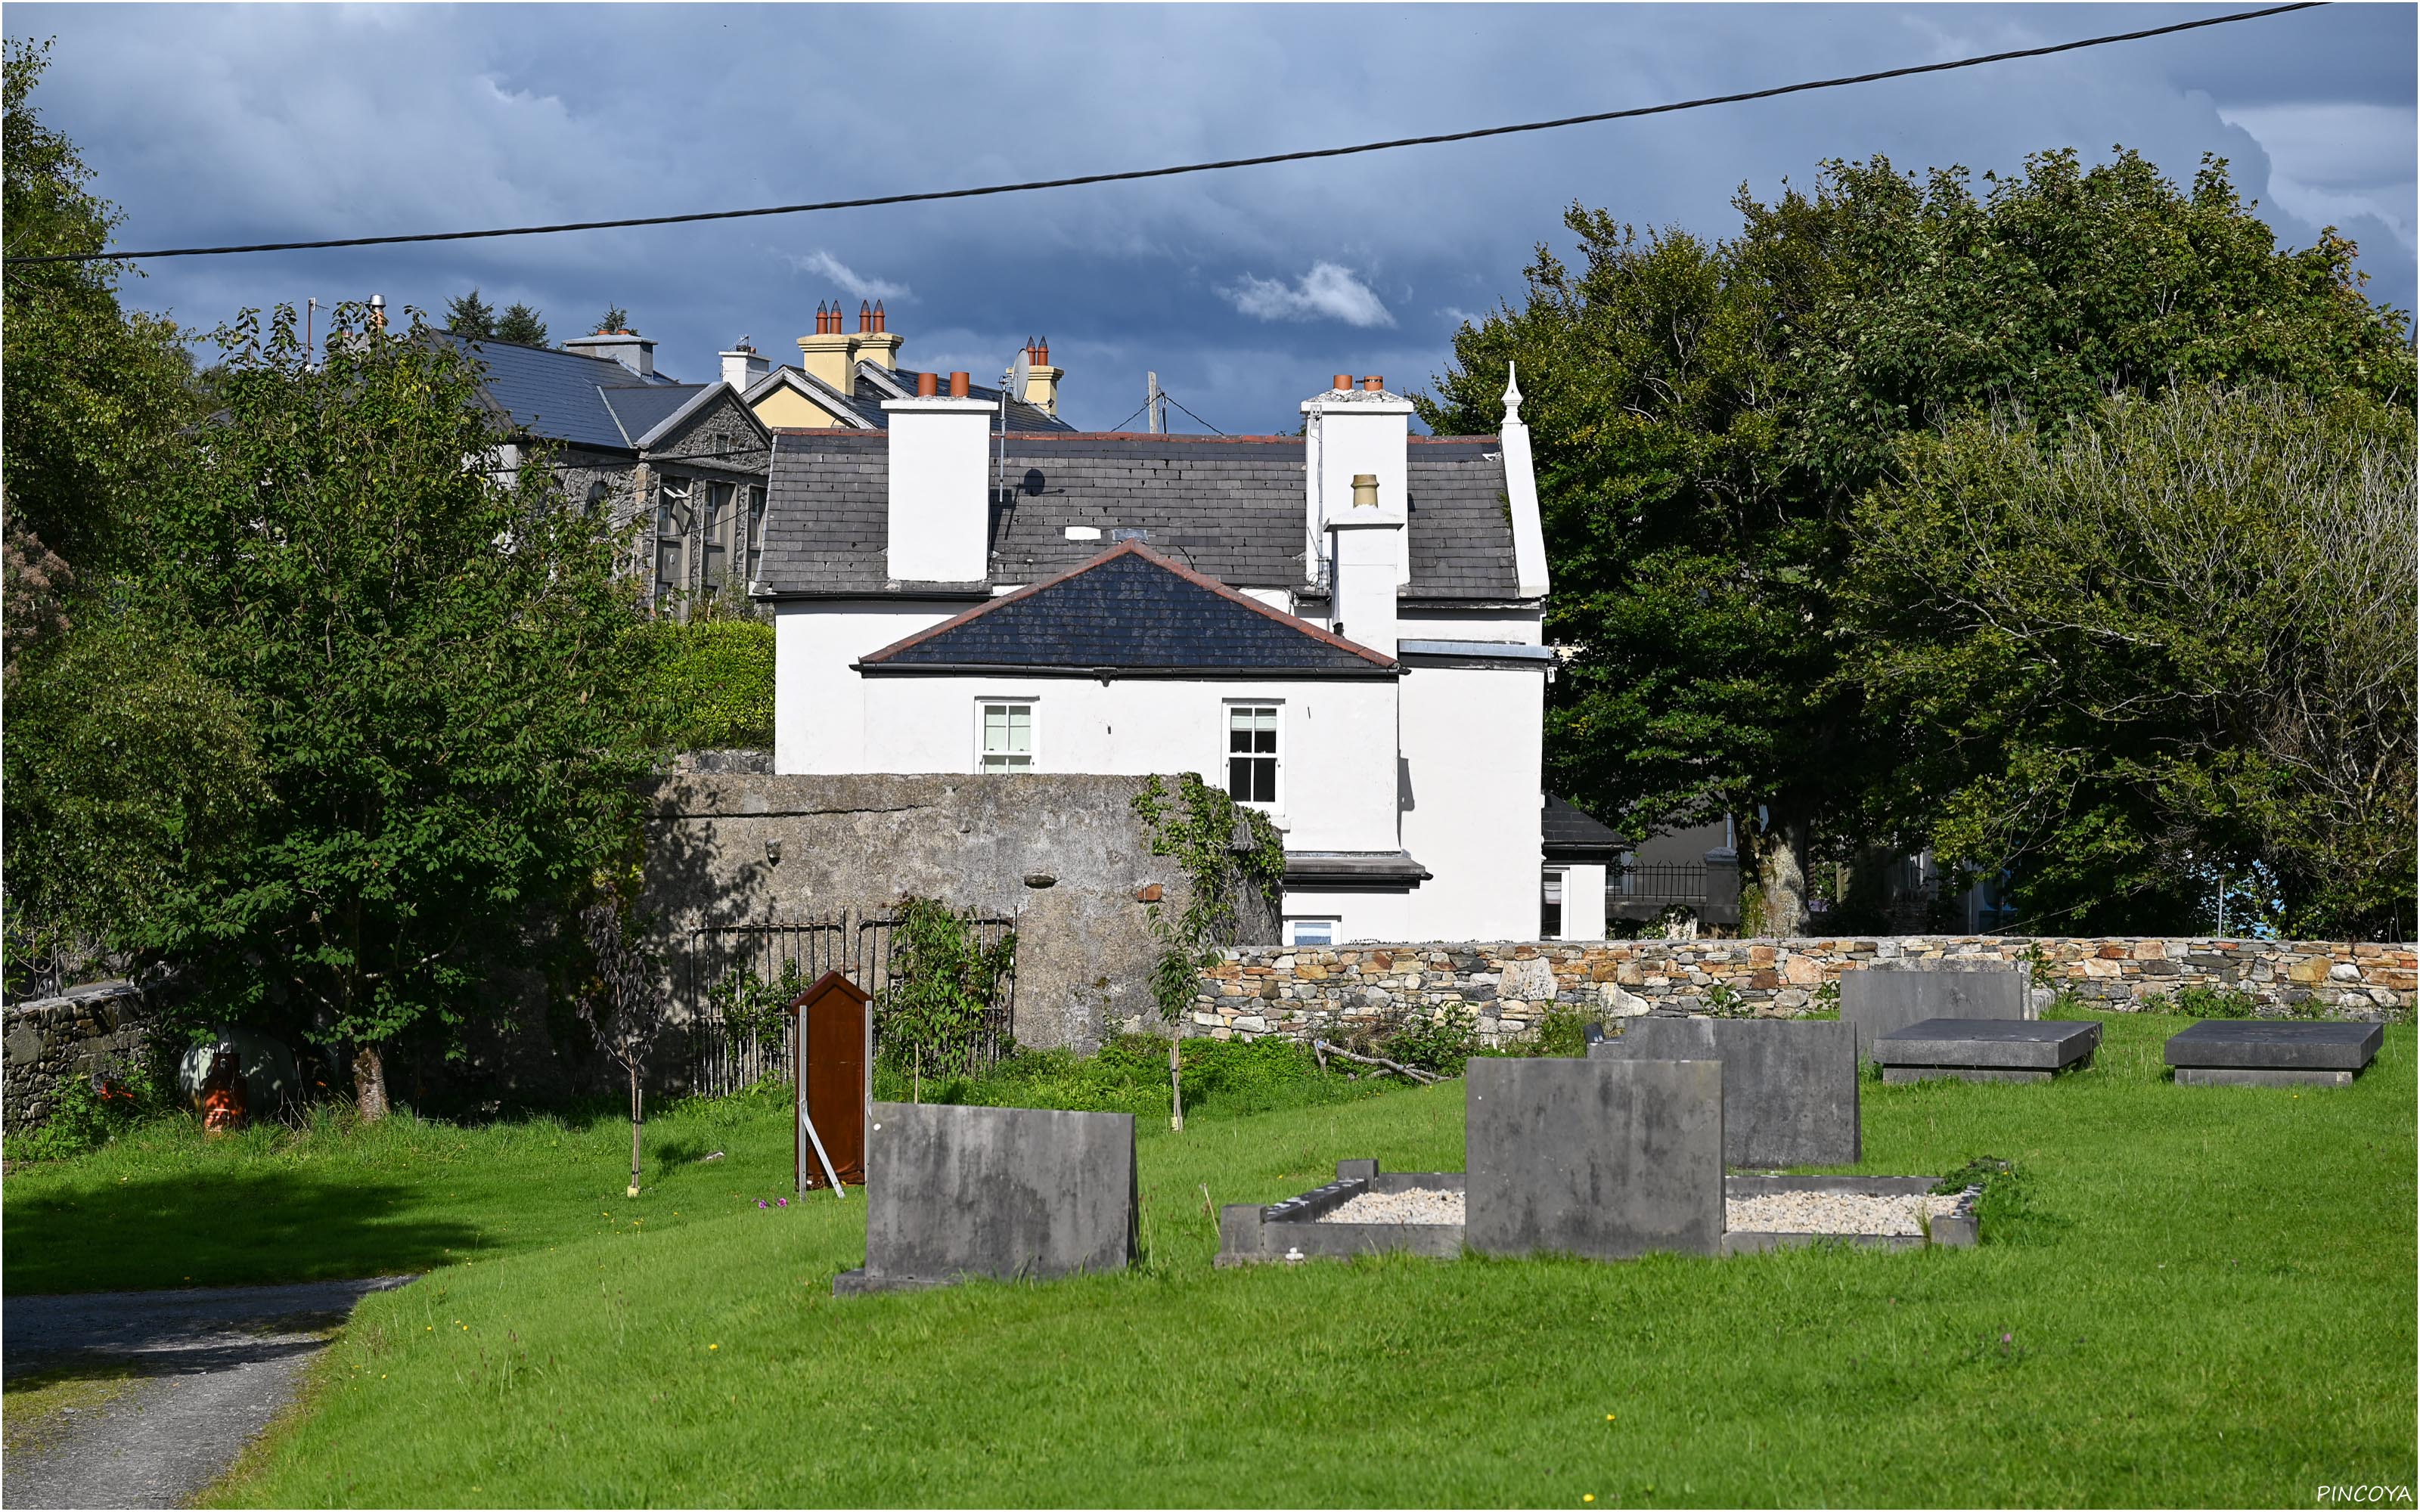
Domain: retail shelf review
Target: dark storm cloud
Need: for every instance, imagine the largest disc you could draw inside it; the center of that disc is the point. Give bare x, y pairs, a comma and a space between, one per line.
1243, 289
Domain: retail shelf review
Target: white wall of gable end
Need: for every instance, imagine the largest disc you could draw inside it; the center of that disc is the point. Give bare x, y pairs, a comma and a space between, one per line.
1337, 747
1472, 743
818, 699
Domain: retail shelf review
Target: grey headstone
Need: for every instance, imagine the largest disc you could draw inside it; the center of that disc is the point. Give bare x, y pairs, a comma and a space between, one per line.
2030, 1049
1789, 1086
1879, 999
2258, 1044
1608, 1159
1004, 1193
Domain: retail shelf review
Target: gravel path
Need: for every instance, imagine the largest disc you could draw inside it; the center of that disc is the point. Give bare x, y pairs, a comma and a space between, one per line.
213, 1366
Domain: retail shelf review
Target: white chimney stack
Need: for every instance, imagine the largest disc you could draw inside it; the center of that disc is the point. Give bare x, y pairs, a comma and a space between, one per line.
940, 484
1356, 428
743, 366
1367, 534
630, 349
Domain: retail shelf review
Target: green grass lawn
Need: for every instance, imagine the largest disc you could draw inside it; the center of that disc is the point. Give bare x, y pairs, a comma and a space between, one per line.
2209, 1299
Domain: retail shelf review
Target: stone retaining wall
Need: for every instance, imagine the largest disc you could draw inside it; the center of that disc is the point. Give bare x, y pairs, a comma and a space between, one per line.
1327, 991
49, 1041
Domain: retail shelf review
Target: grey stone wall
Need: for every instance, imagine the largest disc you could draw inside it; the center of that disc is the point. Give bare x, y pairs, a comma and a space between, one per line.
1063, 855
51, 1040
1300, 992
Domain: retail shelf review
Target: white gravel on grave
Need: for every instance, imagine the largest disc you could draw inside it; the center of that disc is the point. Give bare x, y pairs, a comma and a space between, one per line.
1778, 1213
1415, 1207
1834, 1213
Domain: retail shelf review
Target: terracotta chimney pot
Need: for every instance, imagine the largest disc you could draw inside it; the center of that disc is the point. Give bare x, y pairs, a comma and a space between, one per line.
928, 385
864, 318
1342, 382
1374, 384
958, 383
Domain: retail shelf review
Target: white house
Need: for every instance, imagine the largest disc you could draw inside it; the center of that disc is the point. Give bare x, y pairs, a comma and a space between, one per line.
1342, 628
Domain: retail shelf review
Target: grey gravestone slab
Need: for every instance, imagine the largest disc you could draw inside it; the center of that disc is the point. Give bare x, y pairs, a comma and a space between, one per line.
1608, 1159
1005, 1192
1789, 1088
2256, 1044
1979, 1050
1880, 999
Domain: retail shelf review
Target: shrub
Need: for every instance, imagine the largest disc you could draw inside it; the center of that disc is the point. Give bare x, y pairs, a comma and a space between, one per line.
714, 684
1442, 1044
1562, 1032
2202, 1001
89, 1112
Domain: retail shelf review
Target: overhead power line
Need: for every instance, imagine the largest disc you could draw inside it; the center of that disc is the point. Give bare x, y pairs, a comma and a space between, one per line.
1131, 174
1197, 419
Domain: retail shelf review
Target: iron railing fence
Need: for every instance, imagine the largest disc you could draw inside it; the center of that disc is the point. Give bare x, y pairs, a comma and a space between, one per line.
1657, 882
750, 968
876, 937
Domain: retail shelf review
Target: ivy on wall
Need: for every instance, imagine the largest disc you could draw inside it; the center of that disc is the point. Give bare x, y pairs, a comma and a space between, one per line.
1198, 827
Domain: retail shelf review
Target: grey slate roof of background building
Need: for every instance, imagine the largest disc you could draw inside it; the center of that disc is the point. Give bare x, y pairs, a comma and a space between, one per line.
1574, 834
1134, 610
1229, 508
559, 394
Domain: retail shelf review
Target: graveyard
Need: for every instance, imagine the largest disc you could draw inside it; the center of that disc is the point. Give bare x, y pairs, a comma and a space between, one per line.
2182, 1294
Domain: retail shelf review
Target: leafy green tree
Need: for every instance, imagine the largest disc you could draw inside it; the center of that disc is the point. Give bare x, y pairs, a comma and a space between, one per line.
520, 325
95, 391
943, 984
437, 667
2173, 644
1706, 414
616, 318
471, 315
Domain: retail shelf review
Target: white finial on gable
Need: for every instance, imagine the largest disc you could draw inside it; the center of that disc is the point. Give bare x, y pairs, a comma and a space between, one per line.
1521, 496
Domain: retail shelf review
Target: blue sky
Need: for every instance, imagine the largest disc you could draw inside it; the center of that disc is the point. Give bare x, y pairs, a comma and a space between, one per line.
1243, 289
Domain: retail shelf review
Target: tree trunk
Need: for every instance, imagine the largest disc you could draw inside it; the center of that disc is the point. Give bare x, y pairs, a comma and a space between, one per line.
637, 1123
1781, 875
1176, 1082
369, 1084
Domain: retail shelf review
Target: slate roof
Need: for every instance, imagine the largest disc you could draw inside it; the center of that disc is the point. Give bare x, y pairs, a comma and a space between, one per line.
641, 409
1229, 507
1574, 834
1135, 610
561, 395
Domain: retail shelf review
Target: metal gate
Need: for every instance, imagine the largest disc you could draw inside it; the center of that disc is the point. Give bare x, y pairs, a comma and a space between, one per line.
737, 977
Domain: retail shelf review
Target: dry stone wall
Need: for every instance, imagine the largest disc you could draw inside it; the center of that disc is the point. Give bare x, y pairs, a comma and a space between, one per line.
1302, 991
51, 1040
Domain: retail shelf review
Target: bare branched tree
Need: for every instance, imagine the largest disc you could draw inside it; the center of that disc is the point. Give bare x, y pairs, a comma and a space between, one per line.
624, 1006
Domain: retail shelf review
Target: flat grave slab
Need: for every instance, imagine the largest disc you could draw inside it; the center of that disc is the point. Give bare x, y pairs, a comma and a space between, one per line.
1761, 1212
1789, 1086
1606, 1159
1880, 1000
2262, 1053
1985, 1050
1010, 1194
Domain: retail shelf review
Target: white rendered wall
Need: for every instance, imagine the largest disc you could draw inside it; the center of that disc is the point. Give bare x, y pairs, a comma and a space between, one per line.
1520, 626
1472, 740
1336, 766
1385, 916
1583, 902
818, 703
940, 490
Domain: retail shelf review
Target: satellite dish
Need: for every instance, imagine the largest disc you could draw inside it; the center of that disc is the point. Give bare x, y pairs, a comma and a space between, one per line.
1020, 371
